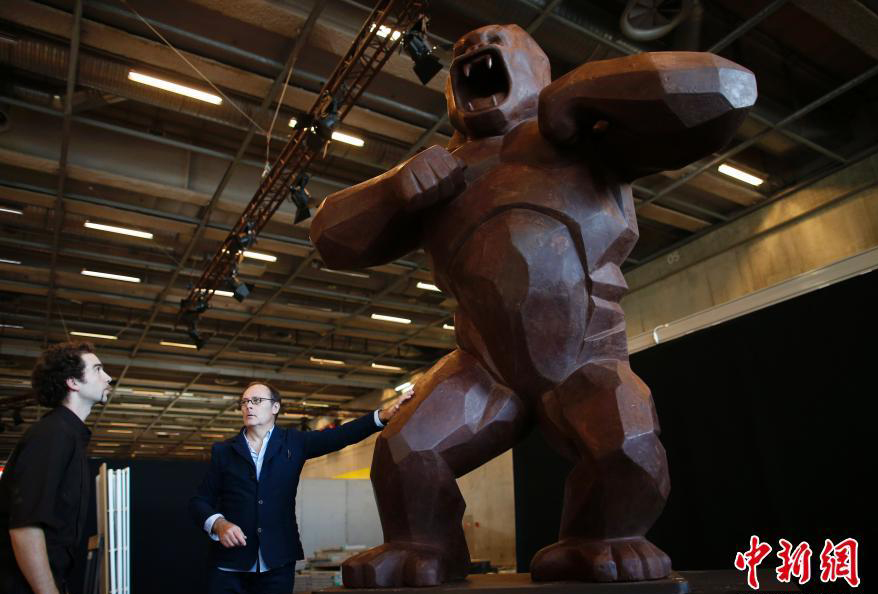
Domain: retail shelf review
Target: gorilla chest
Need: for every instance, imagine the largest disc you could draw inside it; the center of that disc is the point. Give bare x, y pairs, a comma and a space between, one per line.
524, 208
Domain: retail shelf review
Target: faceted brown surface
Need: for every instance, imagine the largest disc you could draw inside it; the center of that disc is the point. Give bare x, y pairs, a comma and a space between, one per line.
527, 221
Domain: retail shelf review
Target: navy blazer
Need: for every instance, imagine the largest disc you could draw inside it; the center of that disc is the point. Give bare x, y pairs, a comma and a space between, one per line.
265, 510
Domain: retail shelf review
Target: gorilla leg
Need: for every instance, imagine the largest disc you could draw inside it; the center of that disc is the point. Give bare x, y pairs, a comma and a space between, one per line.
603, 418
459, 419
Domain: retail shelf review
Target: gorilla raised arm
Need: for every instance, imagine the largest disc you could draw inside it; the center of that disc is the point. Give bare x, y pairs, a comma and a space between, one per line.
649, 112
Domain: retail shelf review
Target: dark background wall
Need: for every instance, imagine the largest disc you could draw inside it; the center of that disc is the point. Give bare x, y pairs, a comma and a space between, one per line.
168, 552
765, 420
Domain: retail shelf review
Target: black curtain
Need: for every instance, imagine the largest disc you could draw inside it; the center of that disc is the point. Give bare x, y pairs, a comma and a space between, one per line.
765, 420
168, 552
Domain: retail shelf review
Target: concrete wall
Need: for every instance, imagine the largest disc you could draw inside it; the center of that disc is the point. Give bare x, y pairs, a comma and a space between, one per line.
332, 514
832, 219
489, 520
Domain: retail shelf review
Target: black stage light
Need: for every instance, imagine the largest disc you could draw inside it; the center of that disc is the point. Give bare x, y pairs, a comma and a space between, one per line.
193, 308
245, 237
240, 289
195, 336
414, 42
300, 197
16, 417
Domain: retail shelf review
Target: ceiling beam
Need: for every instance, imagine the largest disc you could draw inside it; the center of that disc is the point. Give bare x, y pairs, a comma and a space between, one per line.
276, 86
181, 364
72, 61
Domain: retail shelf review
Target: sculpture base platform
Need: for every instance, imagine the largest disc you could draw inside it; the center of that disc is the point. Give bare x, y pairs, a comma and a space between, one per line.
683, 582
520, 583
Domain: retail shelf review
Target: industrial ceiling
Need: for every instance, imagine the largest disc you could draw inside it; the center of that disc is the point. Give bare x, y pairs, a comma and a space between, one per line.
90, 145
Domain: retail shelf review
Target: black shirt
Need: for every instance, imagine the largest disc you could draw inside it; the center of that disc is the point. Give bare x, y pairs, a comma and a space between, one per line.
46, 483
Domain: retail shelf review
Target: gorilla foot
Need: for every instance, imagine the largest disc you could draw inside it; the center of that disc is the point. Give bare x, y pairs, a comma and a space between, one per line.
397, 564
611, 560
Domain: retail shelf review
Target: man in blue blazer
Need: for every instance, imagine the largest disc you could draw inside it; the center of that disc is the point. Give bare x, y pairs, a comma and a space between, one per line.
247, 501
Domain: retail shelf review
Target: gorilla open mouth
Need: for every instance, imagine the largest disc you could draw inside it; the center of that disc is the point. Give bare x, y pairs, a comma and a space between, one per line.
480, 80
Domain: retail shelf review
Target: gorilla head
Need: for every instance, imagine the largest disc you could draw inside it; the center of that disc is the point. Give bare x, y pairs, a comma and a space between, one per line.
496, 78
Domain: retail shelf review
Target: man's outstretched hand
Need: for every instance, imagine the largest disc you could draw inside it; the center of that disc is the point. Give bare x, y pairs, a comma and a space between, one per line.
230, 535
392, 408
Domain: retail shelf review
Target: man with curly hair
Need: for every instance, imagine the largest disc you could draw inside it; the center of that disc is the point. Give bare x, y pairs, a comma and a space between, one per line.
44, 490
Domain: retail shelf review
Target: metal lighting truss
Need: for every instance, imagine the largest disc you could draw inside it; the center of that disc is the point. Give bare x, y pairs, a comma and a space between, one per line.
368, 53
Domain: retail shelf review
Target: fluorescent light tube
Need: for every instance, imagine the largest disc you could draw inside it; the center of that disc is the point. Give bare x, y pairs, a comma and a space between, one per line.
403, 387
348, 139
120, 230
447, 327
93, 335
345, 273
219, 293
120, 277
339, 136
429, 287
384, 31
740, 175
16, 326
11, 210
174, 87
394, 319
5, 261
260, 256
119, 431
386, 367
326, 361
181, 345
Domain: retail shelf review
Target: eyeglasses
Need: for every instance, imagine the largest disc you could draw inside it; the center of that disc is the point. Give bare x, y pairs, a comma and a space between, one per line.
243, 402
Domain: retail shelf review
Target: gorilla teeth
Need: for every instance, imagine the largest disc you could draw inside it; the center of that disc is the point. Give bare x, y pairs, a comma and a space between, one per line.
485, 59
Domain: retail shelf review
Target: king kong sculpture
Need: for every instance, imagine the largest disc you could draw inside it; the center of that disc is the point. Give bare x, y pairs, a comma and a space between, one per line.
527, 216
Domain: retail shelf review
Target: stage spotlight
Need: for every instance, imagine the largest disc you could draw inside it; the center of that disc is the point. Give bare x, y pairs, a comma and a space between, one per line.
415, 45
328, 121
240, 289
300, 197
191, 310
195, 336
245, 237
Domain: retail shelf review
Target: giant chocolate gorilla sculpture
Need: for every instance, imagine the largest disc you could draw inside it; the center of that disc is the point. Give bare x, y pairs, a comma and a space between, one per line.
527, 216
